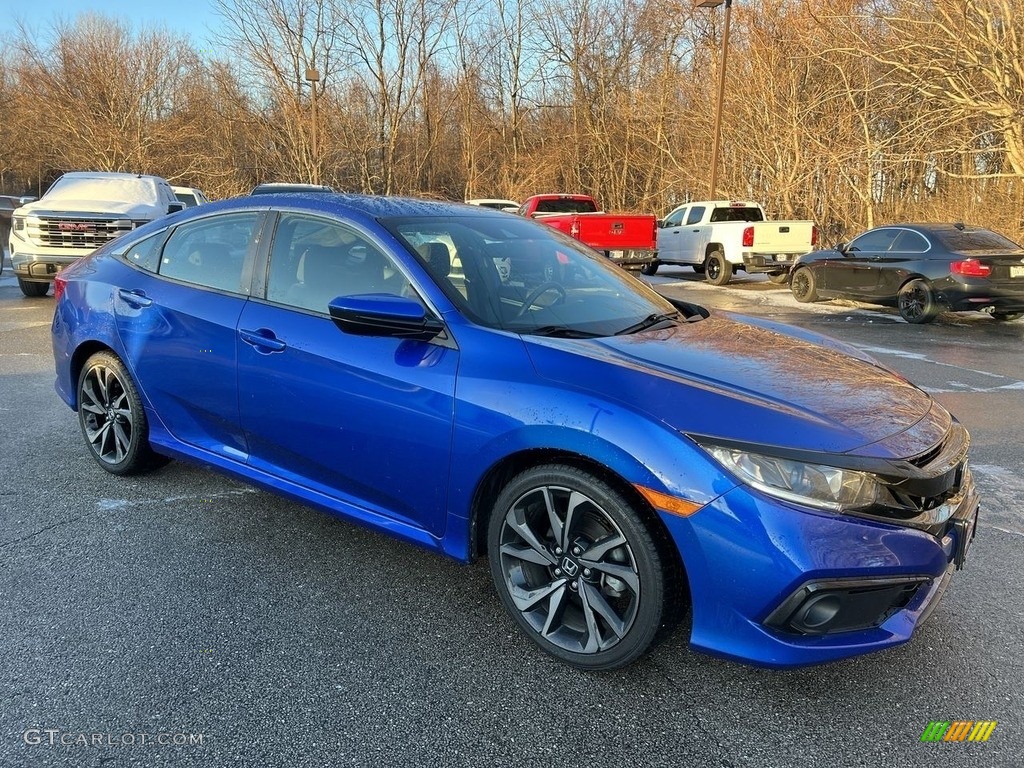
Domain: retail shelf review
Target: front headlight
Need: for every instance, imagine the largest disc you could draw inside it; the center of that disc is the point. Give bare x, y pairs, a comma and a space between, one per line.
815, 485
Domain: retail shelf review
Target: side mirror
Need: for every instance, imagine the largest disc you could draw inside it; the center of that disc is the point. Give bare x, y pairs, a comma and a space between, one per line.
842, 247
384, 314
26, 200
175, 207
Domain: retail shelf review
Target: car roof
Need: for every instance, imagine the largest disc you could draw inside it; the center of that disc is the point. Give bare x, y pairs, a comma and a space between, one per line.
372, 206
285, 186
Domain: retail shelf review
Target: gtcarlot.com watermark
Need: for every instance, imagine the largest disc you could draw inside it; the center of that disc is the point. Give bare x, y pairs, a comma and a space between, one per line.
53, 737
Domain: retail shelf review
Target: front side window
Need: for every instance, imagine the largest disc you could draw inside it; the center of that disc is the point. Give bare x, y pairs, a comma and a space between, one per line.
696, 214
526, 277
314, 260
211, 252
675, 218
876, 241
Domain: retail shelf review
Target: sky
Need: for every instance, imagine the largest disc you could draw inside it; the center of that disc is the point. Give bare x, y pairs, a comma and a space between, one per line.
194, 18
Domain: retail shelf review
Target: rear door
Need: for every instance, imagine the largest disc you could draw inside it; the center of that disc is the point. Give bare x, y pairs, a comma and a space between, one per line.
177, 325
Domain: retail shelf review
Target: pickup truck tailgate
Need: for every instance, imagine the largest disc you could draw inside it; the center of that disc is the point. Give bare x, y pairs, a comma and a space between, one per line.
783, 236
605, 231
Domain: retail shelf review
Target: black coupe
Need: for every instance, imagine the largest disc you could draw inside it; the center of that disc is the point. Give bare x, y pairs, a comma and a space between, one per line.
922, 269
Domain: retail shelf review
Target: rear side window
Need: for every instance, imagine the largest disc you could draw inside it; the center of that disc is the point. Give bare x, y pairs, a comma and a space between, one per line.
910, 242
145, 254
210, 252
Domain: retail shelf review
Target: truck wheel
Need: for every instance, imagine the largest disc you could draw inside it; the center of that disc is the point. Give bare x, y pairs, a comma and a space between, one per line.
719, 271
33, 289
779, 279
650, 269
803, 286
1006, 317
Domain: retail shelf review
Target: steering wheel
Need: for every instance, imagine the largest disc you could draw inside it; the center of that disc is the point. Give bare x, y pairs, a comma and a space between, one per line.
536, 293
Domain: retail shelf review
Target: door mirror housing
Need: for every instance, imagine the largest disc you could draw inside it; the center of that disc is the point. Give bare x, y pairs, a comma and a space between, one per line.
384, 314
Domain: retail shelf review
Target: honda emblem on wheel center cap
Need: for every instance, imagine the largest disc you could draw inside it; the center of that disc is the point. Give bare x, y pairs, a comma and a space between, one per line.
570, 567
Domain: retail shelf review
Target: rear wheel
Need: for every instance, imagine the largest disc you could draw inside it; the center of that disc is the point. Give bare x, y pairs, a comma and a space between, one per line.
1006, 317
917, 303
650, 269
803, 285
719, 270
112, 418
576, 567
31, 289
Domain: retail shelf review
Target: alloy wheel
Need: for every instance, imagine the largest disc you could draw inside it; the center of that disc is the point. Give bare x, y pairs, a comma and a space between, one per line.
569, 569
107, 414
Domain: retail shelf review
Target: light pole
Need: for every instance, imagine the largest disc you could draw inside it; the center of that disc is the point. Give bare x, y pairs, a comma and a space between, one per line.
313, 77
717, 141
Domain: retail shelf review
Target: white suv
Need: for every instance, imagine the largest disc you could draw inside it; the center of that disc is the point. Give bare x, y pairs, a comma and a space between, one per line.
80, 212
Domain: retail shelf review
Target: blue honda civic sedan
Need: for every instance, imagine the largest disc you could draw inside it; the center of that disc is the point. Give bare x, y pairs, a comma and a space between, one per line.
483, 386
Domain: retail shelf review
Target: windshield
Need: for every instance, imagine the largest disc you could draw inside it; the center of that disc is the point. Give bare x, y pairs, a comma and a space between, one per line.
128, 190
521, 276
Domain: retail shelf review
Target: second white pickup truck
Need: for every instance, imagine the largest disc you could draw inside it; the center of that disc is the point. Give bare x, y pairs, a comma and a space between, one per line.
721, 237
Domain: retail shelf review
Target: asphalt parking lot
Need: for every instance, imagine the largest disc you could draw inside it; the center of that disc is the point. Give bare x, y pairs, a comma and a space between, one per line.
218, 625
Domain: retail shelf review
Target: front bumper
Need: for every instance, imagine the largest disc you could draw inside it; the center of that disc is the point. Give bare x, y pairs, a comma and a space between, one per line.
777, 586
40, 264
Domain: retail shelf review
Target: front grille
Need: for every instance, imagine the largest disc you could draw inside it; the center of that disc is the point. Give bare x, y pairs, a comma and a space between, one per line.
72, 232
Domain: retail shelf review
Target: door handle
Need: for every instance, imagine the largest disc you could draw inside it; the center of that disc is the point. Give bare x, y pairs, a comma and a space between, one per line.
263, 339
136, 299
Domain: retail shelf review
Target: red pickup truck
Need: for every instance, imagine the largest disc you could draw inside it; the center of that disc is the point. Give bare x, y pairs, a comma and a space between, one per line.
630, 239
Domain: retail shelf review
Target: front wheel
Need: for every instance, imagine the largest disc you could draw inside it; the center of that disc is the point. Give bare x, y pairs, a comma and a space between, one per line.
112, 418
576, 567
650, 268
719, 269
32, 289
917, 303
803, 285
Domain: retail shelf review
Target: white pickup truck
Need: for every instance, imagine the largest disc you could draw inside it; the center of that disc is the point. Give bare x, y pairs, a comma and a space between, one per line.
80, 212
720, 237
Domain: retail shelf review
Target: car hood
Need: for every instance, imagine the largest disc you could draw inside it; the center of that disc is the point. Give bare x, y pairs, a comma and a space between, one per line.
92, 207
721, 377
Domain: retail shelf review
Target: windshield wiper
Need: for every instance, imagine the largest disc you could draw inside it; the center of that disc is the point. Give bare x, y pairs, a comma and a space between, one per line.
560, 332
649, 322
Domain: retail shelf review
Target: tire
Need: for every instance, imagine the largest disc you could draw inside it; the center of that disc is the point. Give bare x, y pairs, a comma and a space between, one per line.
779, 279
1006, 317
33, 290
917, 303
719, 270
803, 285
650, 269
112, 418
585, 602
